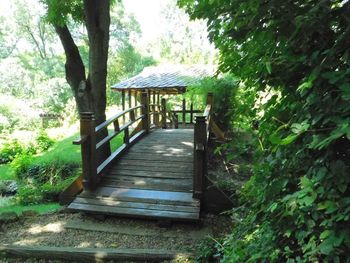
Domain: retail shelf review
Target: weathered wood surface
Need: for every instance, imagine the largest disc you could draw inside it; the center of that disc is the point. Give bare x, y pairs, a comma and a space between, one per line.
92, 254
154, 178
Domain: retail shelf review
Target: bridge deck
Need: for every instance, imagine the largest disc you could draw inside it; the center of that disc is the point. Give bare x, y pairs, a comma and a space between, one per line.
154, 178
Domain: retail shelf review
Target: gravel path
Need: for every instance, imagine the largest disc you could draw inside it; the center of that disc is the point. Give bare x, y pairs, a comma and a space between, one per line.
60, 230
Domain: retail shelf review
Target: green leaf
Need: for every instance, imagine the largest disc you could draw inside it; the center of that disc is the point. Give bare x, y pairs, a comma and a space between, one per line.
268, 67
299, 128
326, 248
325, 234
305, 182
275, 139
345, 91
309, 199
289, 139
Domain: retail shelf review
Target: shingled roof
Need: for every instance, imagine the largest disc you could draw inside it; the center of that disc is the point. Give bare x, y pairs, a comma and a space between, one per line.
167, 78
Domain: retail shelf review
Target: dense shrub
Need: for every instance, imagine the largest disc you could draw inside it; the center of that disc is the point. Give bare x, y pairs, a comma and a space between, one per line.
42, 181
297, 204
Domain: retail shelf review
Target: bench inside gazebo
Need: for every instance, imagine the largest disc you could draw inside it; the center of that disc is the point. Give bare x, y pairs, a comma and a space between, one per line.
159, 170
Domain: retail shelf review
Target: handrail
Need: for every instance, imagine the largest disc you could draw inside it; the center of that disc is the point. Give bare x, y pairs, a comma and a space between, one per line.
201, 137
92, 150
113, 118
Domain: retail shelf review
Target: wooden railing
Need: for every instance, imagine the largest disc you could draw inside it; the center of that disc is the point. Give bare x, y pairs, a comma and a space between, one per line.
92, 168
201, 137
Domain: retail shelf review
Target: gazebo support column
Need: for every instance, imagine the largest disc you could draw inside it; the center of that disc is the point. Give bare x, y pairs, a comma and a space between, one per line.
145, 111
163, 113
123, 104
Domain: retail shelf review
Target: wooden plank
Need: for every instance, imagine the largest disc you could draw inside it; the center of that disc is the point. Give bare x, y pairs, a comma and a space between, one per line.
119, 152
162, 152
132, 171
92, 254
157, 157
181, 185
138, 195
155, 147
174, 167
137, 205
109, 210
181, 170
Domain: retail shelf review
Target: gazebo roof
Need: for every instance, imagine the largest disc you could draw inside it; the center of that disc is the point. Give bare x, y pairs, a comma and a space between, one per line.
166, 78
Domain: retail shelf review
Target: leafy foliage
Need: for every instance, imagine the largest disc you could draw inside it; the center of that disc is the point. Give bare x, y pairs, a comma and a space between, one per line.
295, 55
224, 91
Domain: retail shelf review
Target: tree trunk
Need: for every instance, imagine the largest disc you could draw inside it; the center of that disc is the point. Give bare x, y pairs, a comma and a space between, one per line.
90, 91
97, 21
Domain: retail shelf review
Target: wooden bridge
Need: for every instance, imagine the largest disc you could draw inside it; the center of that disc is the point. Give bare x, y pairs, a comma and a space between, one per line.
158, 172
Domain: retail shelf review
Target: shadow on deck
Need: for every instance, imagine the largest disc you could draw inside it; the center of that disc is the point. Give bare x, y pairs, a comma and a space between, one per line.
154, 179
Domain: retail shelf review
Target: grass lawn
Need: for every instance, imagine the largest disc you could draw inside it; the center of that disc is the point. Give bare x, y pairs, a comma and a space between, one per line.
40, 208
65, 152
6, 172
62, 152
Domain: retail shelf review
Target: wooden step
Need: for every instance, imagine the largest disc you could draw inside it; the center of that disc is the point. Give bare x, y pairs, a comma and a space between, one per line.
92, 254
140, 195
149, 172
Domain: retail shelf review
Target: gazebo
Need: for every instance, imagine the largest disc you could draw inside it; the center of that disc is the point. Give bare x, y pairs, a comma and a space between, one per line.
162, 80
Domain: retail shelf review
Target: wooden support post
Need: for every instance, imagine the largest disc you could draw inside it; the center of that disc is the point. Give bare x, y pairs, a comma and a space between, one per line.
191, 113
88, 150
183, 113
210, 98
123, 104
132, 115
176, 121
200, 141
163, 113
116, 125
145, 111
129, 98
126, 136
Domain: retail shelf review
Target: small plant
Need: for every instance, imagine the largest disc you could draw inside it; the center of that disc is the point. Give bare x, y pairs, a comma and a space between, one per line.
209, 250
10, 150
43, 141
21, 164
29, 194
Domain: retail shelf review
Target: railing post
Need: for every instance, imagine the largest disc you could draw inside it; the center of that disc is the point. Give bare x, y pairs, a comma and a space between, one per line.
145, 111
88, 150
156, 116
163, 113
210, 98
200, 145
176, 121
183, 113
191, 113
